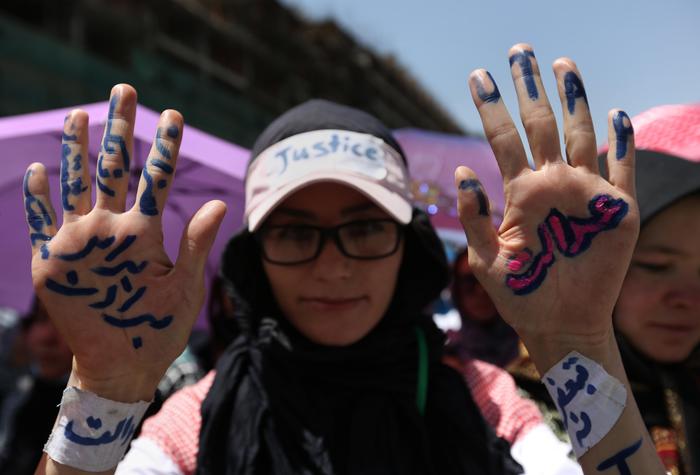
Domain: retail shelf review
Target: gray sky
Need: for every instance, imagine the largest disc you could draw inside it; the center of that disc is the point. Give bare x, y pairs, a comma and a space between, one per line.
632, 54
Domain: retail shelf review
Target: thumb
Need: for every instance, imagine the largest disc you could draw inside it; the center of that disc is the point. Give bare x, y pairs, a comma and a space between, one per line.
474, 212
198, 237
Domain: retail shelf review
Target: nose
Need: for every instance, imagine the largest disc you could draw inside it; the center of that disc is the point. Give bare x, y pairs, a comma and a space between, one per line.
685, 296
43, 333
331, 264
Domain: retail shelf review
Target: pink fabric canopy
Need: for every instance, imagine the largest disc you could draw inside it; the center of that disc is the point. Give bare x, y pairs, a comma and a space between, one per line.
432, 160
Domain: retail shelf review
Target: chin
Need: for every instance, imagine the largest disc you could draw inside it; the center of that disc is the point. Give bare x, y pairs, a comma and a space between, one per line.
335, 330
669, 355
339, 335
335, 326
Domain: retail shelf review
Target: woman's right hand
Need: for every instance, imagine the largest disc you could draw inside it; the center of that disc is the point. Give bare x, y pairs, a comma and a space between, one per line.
122, 306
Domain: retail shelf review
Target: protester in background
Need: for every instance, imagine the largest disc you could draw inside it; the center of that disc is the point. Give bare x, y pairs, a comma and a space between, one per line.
13, 352
223, 328
483, 334
29, 411
657, 316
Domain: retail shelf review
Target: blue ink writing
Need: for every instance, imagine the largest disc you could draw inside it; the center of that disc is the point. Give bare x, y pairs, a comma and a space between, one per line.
126, 284
132, 300
34, 237
493, 96
152, 321
108, 300
173, 131
573, 89
475, 186
74, 188
69, 291
147, 203
104, 188
324, 147
124, 431
162, 165
137, 342
110, 139
524, 60
564, 397
36, 220
93, 423
622, 133
160, 146
128, 241
619, 460
583, 433
72, 277
91, 244
130, 266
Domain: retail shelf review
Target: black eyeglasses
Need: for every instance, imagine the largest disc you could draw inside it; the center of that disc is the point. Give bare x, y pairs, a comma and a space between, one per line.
292, 244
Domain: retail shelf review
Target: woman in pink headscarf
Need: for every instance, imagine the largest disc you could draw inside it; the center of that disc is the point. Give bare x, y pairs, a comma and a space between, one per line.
657, 316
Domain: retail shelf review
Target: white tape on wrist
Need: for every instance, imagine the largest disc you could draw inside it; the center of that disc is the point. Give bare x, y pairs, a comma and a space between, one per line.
92, 433
588, 398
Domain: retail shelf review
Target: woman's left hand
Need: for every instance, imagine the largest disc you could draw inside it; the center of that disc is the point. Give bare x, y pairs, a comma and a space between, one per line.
555, 266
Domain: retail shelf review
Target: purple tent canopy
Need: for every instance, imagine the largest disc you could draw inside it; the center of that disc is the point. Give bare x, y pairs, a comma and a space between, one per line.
208, 168
432, 159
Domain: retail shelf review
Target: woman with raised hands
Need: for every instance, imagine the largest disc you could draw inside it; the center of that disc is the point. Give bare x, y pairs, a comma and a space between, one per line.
337, 367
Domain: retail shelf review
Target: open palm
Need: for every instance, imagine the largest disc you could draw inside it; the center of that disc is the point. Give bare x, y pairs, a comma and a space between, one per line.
555, 266
124, 309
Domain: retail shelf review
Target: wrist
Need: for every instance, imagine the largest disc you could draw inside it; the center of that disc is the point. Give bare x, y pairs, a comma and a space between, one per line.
130, 389
92, 433
545, 351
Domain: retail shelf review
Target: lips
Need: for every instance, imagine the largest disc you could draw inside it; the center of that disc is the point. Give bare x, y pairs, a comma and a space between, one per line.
332, 304
673, 327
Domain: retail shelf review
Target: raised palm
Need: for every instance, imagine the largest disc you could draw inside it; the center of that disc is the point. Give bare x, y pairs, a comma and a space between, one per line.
124, 309
555, 266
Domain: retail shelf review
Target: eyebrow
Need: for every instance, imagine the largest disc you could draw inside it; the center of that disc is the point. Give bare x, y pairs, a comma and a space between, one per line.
298, 213
358, 208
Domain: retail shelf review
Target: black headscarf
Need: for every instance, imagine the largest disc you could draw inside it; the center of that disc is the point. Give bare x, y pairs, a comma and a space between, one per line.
281, 404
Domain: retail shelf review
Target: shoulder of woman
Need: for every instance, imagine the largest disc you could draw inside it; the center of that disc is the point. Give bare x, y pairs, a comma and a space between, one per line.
175, 428
499, 400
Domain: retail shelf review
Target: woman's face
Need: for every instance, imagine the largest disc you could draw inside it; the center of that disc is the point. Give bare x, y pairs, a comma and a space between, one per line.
332, 300
472, 300
659, 306
49, 351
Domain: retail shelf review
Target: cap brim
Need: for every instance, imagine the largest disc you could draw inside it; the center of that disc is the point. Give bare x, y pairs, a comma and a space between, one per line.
662, 180
393, 203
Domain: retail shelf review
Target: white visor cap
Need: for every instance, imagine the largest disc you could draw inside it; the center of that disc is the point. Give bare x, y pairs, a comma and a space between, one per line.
361, 161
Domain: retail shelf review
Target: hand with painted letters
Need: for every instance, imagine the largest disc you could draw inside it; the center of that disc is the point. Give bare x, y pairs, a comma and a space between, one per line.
556, 265
125, 310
